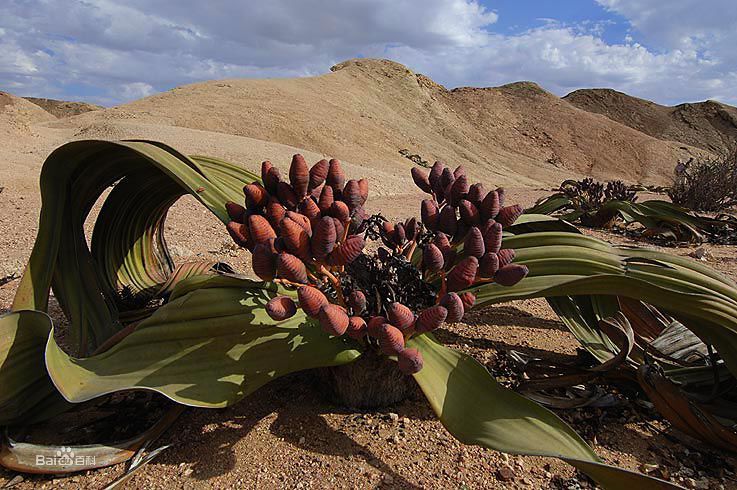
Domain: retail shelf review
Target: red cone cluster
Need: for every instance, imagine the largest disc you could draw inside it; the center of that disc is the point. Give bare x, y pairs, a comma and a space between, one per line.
296, 226
468, 224
306, 231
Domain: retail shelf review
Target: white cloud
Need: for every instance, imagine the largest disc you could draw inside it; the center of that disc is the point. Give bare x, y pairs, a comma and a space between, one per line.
136, 90
117, 52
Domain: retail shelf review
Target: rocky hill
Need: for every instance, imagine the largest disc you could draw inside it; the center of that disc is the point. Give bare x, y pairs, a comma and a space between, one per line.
63, 108
366, 111
709, 125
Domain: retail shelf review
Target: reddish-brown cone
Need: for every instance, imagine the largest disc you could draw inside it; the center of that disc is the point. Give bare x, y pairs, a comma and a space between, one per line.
280, 308
239, 233
263, 261
511, 274
469, 214
421, 180
509, 214
490, 206
468, 299
256, 196
432, 258
431, 318
501, 193
311, 300
291, 268
442, 241
459, 190
299, 176
429, 214
324, 238
336, 176
346, 252
473, 245
435, 174
339, 228
391, 340
411, 228
339, 210
326, 199
476, 194
493, 238
452, 302
447, 178
364, 188
463, 274
400, 235
296, 239
357, 301
447, 222
318, 173
259, 229
352, 194
460, 170
333, 319
275, 212
236, 212
488, 265
356, 327
309, 208
301, 220
270, 176
373, 327
286, 195
506, 257
410, 361
400, 316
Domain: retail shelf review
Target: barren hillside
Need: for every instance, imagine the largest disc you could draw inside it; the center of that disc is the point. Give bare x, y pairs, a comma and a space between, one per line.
63, 108
708, 125
17, 115
367, 110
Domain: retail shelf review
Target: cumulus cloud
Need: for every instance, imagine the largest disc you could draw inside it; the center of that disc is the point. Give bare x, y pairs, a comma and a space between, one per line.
108, 53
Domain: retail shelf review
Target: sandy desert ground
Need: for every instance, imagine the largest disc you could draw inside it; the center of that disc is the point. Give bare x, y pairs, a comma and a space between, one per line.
286, 435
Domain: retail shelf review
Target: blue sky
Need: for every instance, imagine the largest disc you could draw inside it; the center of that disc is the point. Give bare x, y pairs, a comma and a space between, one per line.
110, 52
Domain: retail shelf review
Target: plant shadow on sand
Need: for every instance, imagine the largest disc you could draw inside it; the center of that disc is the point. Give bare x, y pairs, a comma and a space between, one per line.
293, 410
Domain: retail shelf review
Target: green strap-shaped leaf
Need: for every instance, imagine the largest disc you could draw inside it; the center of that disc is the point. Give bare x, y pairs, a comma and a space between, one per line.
128, 245
477, 410
207, 348
565, 264
23, 378
669, 219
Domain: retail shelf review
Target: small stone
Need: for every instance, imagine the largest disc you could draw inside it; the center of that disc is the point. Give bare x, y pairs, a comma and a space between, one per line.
702, 484
393, 417
505, 473
405, 420
302, 440
188, 472
701, 254
388, 479
17, 479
